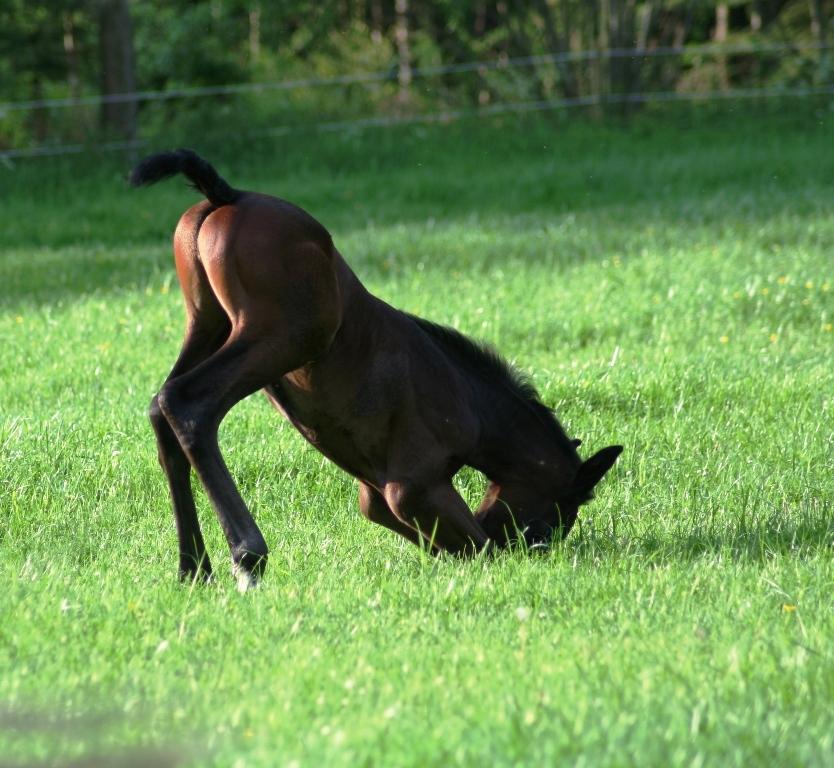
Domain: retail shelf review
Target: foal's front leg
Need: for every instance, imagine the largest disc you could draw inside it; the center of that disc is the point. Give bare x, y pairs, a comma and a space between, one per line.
373, 506
439, 513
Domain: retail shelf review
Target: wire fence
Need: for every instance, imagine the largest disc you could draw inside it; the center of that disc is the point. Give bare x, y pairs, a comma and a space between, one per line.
508, 64
390, 75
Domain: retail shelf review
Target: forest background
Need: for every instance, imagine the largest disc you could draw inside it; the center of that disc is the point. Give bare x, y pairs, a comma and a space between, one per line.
79, 73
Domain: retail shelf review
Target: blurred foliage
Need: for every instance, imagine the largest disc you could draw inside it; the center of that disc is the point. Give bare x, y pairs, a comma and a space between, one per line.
53, 50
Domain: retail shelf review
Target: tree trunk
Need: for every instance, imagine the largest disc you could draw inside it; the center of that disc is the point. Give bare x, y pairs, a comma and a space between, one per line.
644, 24
377, 21
819, 30
755, 18
575, 22
118, 73
255, 32
616, 34
603, 84
77, 125
39, 117
403, 52
722, 17
621, 19
71, 54
558, 43
479, 24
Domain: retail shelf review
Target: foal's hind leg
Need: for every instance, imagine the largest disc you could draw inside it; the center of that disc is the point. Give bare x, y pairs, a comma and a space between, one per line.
202, 339
207, 328
195, 404
282, 299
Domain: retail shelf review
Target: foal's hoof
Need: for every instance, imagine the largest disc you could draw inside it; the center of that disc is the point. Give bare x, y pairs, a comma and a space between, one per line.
195, 573
196, 576
245, 580
247, 572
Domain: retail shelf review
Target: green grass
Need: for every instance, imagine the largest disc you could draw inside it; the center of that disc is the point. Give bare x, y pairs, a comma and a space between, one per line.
668, 286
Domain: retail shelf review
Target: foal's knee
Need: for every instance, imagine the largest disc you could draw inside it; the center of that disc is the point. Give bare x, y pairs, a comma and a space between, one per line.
373, 506
408, 503
397, 495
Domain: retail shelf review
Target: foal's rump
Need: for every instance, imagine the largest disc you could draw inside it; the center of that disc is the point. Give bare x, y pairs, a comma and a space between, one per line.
268, 273
252, 262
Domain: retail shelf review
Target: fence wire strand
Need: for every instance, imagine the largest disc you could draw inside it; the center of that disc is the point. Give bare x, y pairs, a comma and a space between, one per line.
390, 75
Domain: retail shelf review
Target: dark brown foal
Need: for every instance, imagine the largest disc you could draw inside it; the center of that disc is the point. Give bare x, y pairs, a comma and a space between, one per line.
398, 402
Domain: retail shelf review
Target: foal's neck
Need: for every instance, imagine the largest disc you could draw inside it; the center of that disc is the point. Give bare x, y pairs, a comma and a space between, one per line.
521, 442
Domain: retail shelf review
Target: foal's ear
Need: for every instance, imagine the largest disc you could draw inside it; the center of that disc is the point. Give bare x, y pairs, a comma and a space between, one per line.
592, 470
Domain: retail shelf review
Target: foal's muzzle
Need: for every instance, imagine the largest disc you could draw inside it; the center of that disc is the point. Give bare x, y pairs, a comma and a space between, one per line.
538, 535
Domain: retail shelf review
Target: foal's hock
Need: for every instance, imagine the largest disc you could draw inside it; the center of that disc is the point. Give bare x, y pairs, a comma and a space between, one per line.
398, 402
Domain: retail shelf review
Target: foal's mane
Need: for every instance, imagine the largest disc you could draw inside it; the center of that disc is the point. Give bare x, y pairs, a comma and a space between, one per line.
492, 371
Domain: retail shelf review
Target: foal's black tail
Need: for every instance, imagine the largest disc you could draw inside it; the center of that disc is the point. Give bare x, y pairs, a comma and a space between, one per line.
199, 172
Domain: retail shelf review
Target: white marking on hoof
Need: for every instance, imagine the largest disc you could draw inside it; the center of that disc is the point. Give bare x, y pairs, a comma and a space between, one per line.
245, 580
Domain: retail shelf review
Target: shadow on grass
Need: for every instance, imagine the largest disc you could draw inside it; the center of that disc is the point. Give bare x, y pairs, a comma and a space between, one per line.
527, 173
807, 533
76, 742
35, 277
54, 277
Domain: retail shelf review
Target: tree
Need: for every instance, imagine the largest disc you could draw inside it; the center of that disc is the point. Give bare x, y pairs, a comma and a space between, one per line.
118, 67
403, 51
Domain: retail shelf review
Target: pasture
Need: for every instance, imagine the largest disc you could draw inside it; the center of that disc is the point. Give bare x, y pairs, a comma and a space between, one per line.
667, 284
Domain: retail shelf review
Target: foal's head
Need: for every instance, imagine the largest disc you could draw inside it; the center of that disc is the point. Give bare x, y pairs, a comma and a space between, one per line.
538, 481
547, 503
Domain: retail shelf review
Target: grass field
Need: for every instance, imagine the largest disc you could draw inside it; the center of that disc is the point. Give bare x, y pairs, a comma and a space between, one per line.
668, 284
